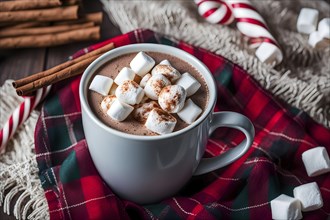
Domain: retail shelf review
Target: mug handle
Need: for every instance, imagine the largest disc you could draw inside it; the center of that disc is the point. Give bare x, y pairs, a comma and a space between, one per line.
231, 120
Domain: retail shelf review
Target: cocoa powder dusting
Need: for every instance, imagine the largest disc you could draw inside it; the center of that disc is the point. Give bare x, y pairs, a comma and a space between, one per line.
163, 115
142, 111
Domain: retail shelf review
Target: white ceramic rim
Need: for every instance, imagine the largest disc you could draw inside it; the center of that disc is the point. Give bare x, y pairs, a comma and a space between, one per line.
96, 64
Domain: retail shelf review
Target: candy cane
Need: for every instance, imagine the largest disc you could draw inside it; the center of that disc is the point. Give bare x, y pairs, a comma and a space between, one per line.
215, 11
20, 114
251, 24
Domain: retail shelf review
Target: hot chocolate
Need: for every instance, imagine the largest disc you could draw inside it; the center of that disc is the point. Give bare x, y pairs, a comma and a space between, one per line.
134, 123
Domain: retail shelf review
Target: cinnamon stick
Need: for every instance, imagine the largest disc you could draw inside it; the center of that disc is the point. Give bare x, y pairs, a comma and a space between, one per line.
53, 70
42, 30
24, 5
93, 17
68, 72
46, 40
52, 14
25, 25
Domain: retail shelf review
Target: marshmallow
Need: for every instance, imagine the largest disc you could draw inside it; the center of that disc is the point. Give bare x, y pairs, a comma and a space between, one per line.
144, 80
168, 71
285, 207
315, 38
101, 84
154, 85
130, 92
119, 110
172, 98
142, 111
160, 121
189, 112
307, 20
165, 62
309, 195
316, 161
189, 83
268, 53
324, 28
124, 74
107, 102
142, 64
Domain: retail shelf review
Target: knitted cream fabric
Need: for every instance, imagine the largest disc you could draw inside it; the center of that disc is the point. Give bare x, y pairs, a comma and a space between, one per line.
302, 80
18, 165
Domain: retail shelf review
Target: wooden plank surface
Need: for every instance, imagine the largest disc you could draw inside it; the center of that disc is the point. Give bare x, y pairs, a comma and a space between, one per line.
20, 63
15, 64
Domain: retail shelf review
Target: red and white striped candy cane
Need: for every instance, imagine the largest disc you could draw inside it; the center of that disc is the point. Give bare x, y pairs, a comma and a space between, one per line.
20, 114
215, 11
250, 23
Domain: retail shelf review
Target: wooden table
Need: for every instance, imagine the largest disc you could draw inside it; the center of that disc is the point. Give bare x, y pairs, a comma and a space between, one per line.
15, 64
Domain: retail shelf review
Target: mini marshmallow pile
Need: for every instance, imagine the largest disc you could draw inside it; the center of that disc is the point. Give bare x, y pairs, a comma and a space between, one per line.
161, 92
307, 23
307, 197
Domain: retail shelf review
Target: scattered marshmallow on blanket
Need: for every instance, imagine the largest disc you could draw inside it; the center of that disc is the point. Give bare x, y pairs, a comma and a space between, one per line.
309, 196
315, 38
166, 70
324, 28
154, 85
124, 74
285, 207
160, 121
129, 92
172, 98
119, 111
189, 112
141, 112
189, 83
144, 80
316, 161
307, 20
107, 102
142, 64
165, 62
268, 53
101, 84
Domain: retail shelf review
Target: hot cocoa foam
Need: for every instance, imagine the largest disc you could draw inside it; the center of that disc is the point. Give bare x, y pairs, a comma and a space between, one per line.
130, 124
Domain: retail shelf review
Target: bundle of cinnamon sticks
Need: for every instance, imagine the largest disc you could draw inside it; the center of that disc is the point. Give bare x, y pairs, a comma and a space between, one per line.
44, 23
58, 73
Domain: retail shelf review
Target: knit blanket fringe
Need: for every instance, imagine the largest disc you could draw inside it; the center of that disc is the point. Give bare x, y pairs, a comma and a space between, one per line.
18, 165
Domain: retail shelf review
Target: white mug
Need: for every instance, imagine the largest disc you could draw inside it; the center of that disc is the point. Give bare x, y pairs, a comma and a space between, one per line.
147, 169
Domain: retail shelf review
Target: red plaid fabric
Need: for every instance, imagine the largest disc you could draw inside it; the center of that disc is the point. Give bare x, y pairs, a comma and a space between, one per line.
242, 190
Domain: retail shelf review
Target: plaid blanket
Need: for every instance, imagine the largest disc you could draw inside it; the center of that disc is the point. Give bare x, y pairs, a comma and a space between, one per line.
242, 190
